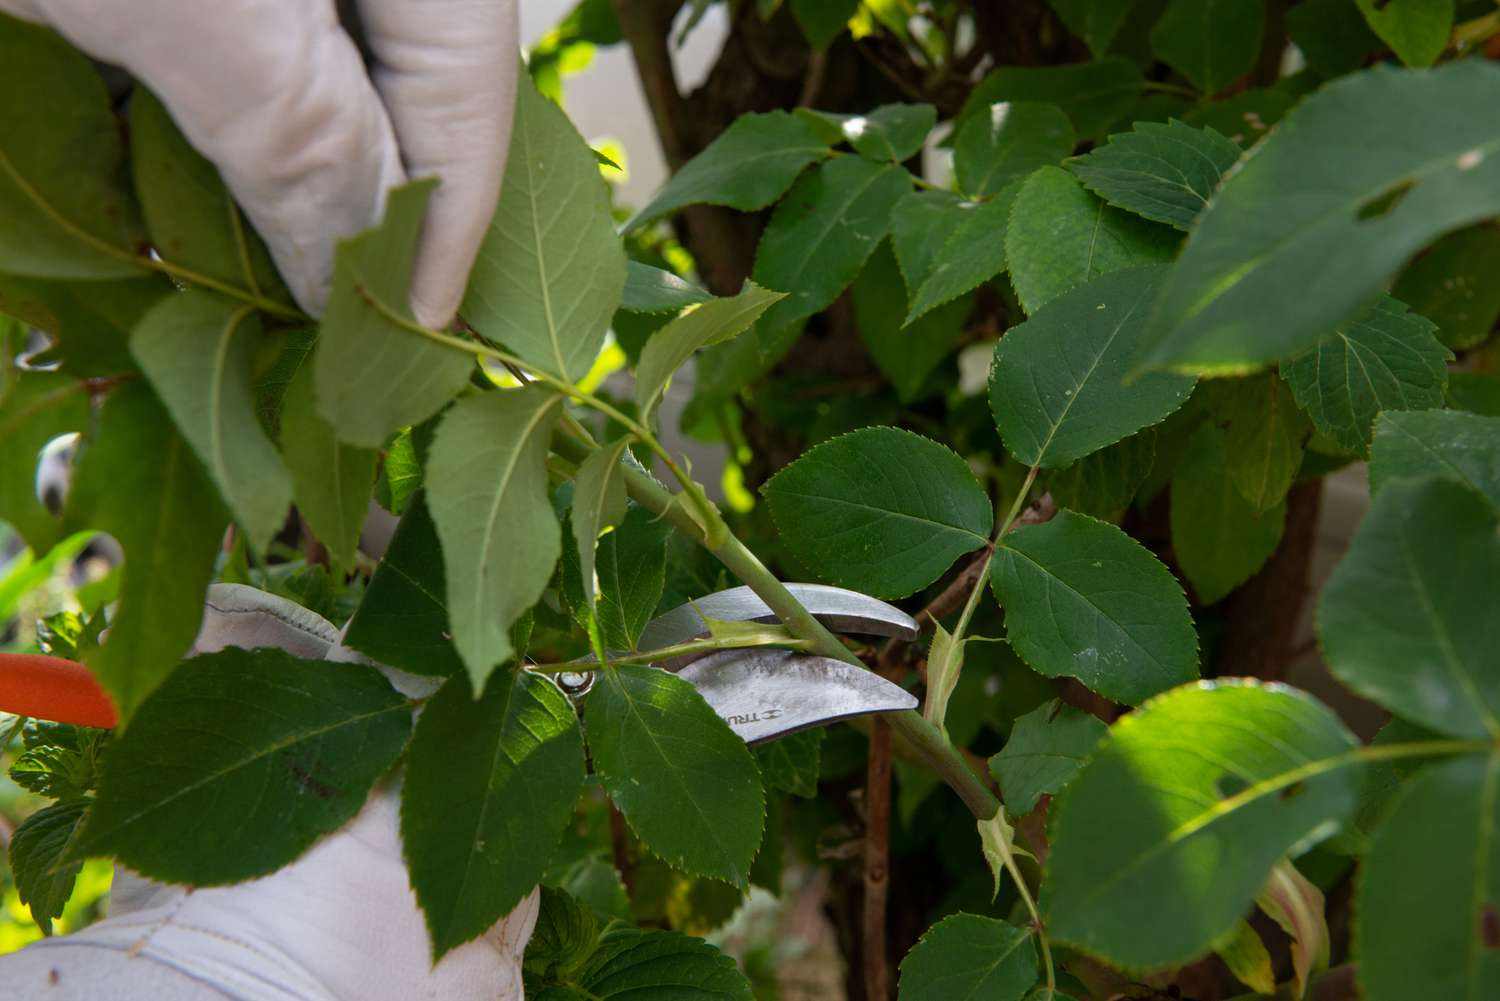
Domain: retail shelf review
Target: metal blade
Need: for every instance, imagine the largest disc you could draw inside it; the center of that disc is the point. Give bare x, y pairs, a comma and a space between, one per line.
841, 610
765, 693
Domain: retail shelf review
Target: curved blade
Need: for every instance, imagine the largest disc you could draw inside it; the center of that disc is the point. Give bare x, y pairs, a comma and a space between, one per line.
839, 609
766, 693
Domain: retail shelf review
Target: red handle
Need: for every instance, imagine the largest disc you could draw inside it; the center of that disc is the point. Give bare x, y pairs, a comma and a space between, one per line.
54, 689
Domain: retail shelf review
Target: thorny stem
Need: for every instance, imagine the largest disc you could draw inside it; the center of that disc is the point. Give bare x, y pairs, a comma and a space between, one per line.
708, 644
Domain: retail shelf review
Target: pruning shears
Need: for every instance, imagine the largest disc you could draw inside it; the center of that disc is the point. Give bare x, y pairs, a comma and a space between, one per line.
761, 692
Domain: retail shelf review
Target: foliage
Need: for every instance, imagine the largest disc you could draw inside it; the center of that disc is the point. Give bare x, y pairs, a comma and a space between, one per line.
1072, 401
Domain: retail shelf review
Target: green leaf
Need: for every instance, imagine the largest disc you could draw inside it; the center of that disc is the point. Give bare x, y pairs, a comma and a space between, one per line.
790, 763
490, 785
1057, 386
64, 187
239, 762
1332, 34
550, 270
682, 778
400, 474
749, 166
945, 661
487, 490
598, 504
921, 224
1450, 285
1245, 118
90, 321
1047, 747
1245, 954
1280, 258
711, 323
634, 963
1219, 537
192, 219
1407, 619
1265, 438
906, 354
43, 881
1007, 141
1093, 95
631, 569
1163, 840
1165, 172
968, 956
1430, 892
1476, 392
822, 232
373, 375
1388, 359
822, 20
1211, 42
892, 132
1103, 483
402, 621
880, 510
1060, 236
139, 481
330, 480
1082, 599
1416, 30
1463, 447
1096, 22
34, 409
973, 252
652, 290
198, 349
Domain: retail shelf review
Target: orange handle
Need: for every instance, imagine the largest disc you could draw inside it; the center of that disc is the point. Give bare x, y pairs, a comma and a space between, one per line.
54, 689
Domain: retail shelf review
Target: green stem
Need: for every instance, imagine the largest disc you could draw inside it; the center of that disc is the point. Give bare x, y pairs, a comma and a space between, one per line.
708, 644
694, 492
1170, 88
922, 737
191, 277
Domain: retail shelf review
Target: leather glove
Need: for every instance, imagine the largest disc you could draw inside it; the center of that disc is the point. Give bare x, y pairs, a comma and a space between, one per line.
339, 924
275, 93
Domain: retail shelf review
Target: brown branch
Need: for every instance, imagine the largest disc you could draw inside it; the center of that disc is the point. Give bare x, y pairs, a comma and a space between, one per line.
877, 860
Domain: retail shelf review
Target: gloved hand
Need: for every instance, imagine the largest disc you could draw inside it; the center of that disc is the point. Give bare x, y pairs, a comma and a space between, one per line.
275, 93
339, 924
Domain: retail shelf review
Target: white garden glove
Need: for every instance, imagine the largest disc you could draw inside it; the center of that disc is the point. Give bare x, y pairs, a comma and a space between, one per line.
339, 924
274, 92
